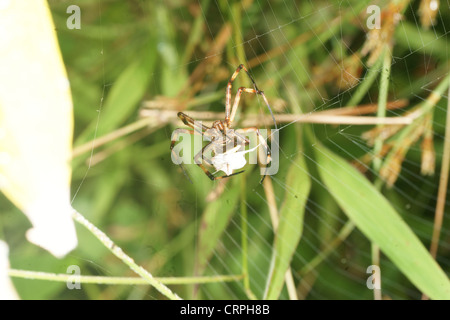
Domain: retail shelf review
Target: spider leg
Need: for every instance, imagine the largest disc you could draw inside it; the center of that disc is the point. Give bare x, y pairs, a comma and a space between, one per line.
231, 112
190, 122
236, 139
228, 92
198, 160
175, 135
233, 174
236, 103
262, 141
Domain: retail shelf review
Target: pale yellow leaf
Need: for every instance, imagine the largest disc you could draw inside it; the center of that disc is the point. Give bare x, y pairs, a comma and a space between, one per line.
36, 123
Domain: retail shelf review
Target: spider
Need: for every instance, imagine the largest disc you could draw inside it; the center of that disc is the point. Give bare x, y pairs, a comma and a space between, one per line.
227, 144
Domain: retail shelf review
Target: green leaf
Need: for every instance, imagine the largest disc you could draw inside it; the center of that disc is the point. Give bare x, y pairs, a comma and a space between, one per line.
290, 227
215, 219
381, 224
126, 93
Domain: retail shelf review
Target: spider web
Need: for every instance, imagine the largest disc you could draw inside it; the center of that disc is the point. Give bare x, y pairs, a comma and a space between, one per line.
339, 262
343, 272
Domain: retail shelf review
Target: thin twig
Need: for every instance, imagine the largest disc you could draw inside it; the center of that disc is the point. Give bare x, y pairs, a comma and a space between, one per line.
157, 118
141, 123
271, 203
108, 151
61, 277
382, 102
443, 182
409, 133
442, 190
118, 252
269, 192
333, 116
378, 146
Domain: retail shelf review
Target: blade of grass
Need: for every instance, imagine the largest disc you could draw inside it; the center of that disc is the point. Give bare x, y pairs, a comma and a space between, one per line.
124, 96
442, 191
172, 77
424, 108
244, 237
118, 252
366, 83
382, 100
214, 220
114, 135
196, 32
236, 23
409, 36
271, 203
381, 224
290, 226
64, 277
386, 57
323, 254
443, 182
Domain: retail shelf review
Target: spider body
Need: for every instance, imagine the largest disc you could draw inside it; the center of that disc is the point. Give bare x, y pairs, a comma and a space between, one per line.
226, 147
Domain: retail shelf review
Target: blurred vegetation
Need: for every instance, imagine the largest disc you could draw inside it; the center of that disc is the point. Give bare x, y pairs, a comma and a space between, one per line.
178, 55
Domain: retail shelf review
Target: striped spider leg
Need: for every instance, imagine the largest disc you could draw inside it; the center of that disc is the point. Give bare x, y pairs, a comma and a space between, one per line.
218, 143
225, 144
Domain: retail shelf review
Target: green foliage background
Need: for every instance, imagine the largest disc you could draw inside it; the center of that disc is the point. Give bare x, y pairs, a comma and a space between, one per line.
127, 52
